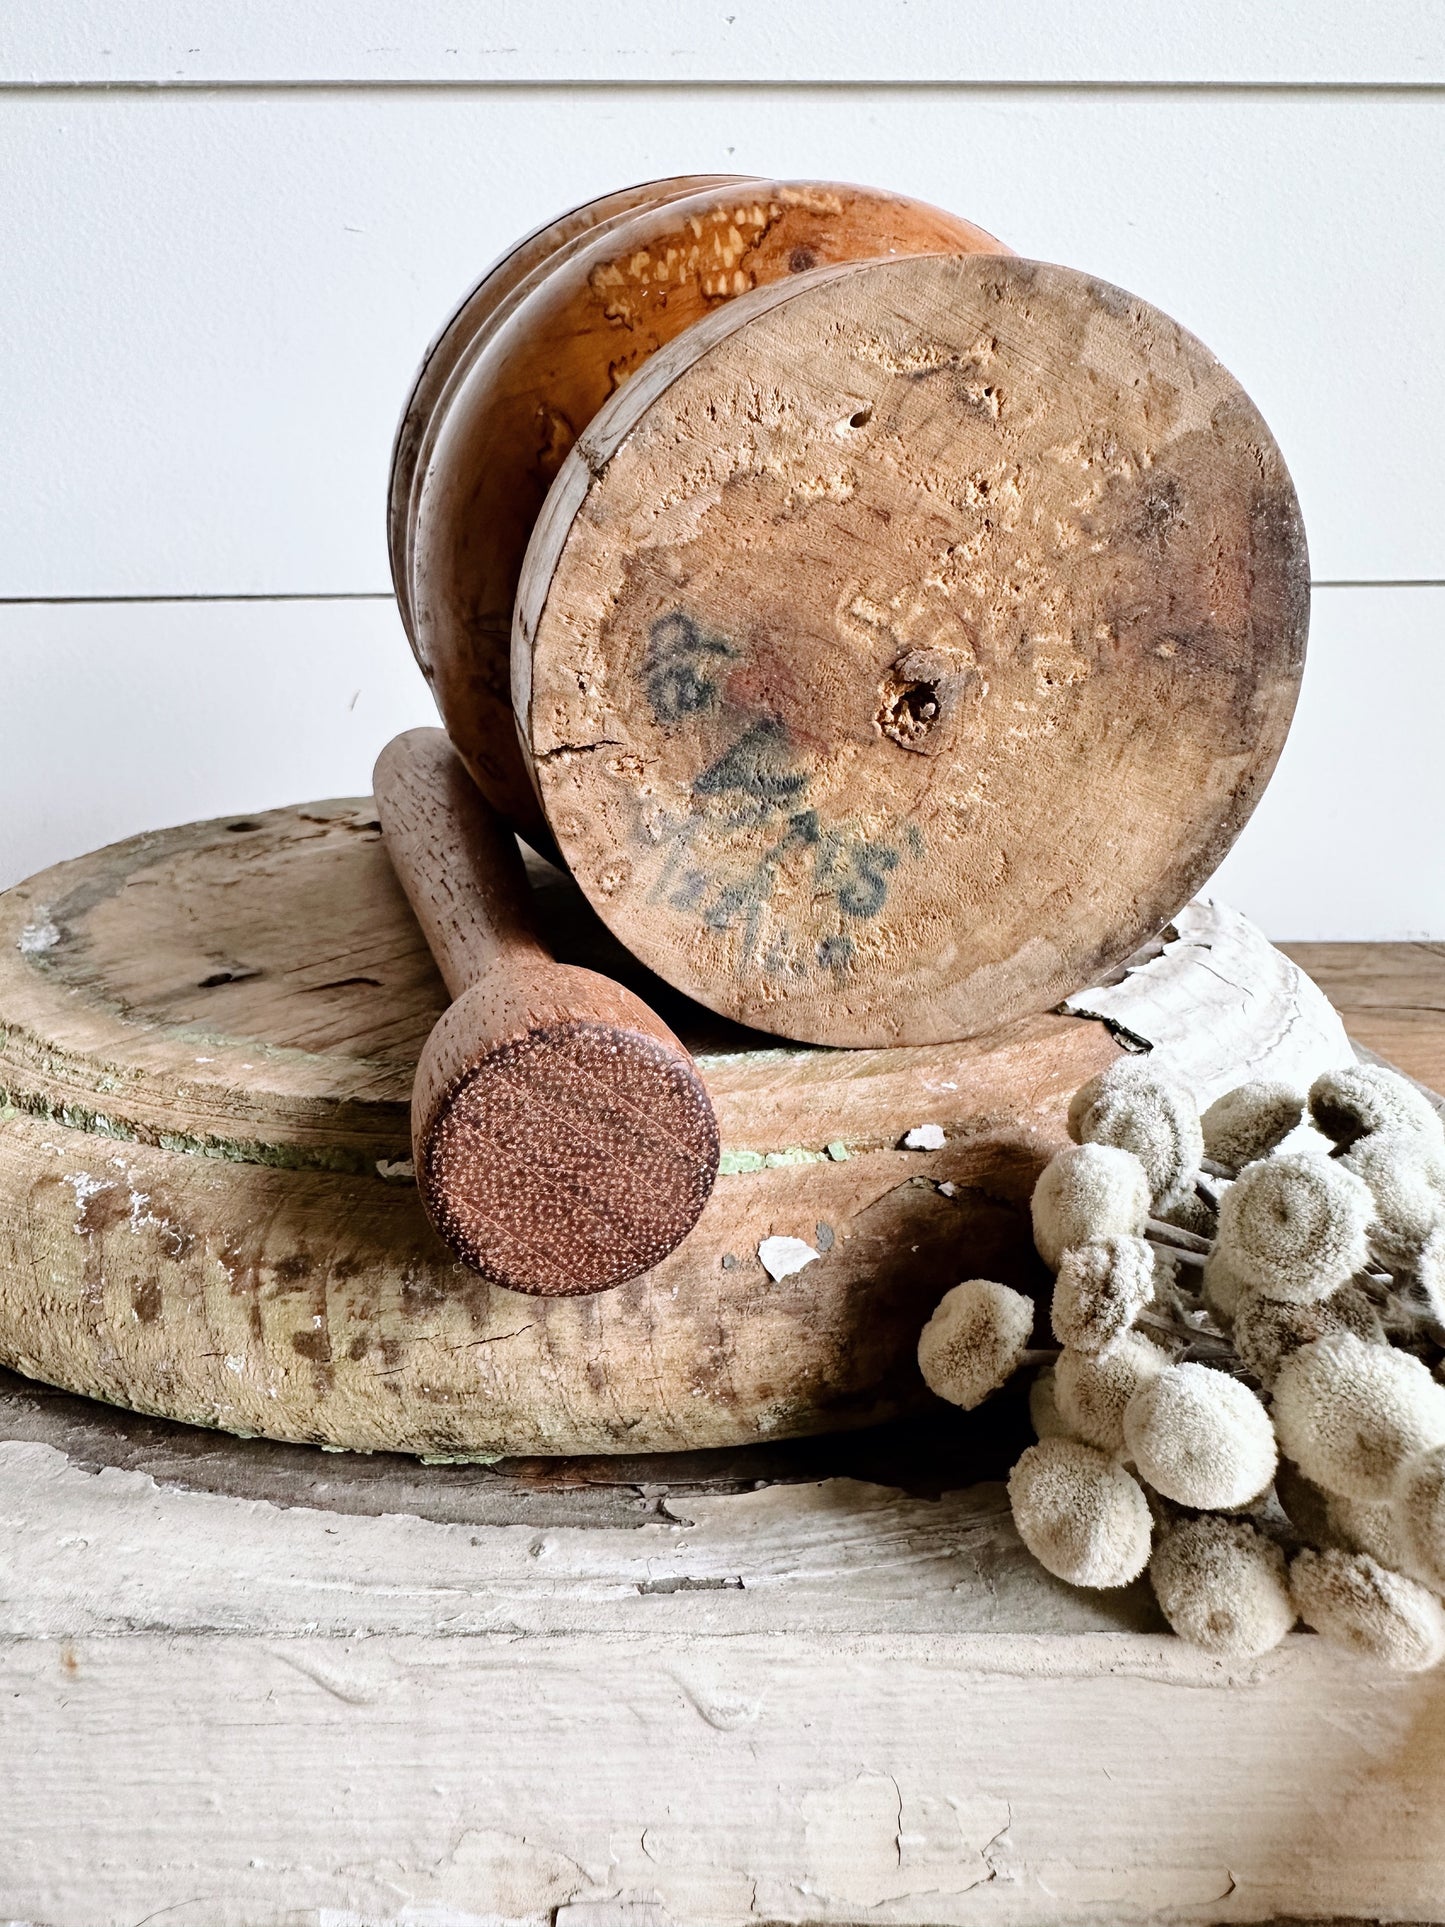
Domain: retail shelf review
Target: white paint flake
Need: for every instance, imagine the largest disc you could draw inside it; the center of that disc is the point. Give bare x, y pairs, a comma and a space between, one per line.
142, 1218
781, 1257
36, 938
395, 1170
85, 1188
924, 1137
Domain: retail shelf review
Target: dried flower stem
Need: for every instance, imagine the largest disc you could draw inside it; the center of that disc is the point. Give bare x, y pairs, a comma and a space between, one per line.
1158, 1232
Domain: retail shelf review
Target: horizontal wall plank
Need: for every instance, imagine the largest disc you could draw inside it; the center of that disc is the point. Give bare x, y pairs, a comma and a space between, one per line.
188, 41
1346, 842
213, 305
124, 717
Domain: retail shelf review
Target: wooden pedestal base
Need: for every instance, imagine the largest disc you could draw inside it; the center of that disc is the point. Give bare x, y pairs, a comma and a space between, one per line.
207, 1040
252, 1686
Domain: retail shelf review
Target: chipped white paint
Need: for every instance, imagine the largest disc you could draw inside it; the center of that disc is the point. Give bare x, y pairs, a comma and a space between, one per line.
781, 1257
36, 938
805, 1703
396, 1170
86, 1186
1219, 1003
924, 1137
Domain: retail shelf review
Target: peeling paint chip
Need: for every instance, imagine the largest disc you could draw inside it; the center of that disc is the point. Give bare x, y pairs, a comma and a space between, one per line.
781, 1257
924, 1137
38, 937
948, 1190
395, 1171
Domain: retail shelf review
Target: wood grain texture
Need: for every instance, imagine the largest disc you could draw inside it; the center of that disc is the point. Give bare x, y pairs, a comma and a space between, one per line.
209, 1038
467, 330
1391, 996
816, 1702
531, 356
896, 653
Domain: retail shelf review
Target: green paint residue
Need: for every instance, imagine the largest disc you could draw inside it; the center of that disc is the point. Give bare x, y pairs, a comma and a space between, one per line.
732, 1163
720, 1059
345, 1161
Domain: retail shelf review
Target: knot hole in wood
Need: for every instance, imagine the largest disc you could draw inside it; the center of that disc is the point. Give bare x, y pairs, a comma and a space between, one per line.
913, 698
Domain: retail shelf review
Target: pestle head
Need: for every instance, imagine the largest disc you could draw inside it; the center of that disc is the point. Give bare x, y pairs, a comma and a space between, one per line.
563, 1138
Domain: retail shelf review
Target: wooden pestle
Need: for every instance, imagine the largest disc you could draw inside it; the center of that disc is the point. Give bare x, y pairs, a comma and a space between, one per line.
563, 1139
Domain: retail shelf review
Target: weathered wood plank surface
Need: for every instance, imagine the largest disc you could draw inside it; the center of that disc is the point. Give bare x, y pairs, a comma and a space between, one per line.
208, 1043
1390, 995
821, 1702
248, 1684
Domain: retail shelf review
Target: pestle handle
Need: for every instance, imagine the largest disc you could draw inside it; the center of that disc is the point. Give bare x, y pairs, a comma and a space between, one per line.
564, 1140
455, 858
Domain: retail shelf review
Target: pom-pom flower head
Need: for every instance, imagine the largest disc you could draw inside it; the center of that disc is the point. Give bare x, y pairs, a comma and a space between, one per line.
1419, 1512
1088, 1192
974, 1341
1222, 1288
1091, 1392
1356, 1602
1373, 1526
1405, 1176
1223, 1585
1200, 1438
1080, 1514
1267, 1330
1429, 1274
1135, 1108
1295, 1225
1250, 1122
1347, 1103
1100, 1290
1350, 1414
1044, 1414
1181, 1285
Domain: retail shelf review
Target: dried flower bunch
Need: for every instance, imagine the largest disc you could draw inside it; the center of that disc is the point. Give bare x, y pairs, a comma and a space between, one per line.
1248, 1398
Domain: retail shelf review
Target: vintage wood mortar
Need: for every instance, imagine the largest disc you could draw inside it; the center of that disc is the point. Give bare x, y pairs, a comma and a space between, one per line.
528, 359
208, 1038
562, 1137
903, 641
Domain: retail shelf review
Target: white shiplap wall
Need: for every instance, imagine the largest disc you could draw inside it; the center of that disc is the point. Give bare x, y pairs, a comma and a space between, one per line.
228, 233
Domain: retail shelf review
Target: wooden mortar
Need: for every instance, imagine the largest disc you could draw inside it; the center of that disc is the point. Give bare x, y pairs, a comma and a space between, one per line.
555, 328
908, 629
